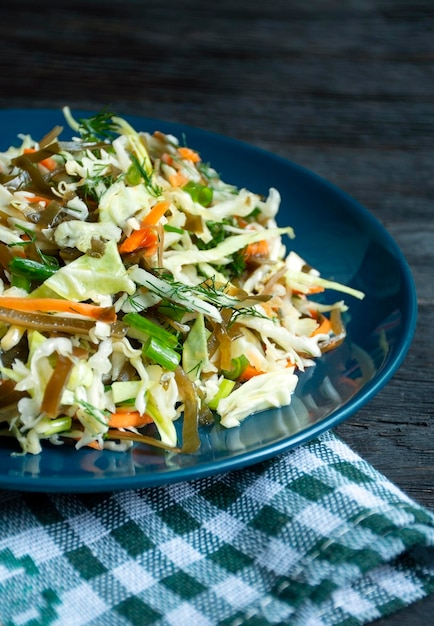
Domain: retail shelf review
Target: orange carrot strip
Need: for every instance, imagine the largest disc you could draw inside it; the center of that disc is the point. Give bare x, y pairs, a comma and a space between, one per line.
256, 249
92, 444
323, 328
189, 155
102, 314
309, 290
178, 180
128, 419
143, 238
34, 199
249, 372
49, 163
156, 213
167, 158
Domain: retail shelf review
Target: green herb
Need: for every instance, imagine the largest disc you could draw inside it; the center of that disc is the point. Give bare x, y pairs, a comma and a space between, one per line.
252, 217
175, 311
252, 311
95, 186
238, 265
27, 231
219, 233
136, 172
98, 127
93, 411
207, 171
46, 259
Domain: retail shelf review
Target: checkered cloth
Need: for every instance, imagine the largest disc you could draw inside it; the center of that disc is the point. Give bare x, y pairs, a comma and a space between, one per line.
315, 537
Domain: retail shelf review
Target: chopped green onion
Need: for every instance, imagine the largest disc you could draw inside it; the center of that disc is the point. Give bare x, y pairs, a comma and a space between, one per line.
238, 366
174, 311
144, 325
31, 269
161, 354
22, 282
133, 176
225, 389
48, 427
173, 229
199, 193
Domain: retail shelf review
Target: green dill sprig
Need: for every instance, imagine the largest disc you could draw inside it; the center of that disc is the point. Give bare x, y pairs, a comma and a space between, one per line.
251, 311
219, 232
99, 127
137, 171
217, 295
46, 259
95, 186
100, 415
207, 172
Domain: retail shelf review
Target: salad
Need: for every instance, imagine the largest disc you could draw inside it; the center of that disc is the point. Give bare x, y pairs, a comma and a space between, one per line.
137, 286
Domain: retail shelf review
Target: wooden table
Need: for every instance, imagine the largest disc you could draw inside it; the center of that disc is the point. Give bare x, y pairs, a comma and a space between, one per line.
343, 88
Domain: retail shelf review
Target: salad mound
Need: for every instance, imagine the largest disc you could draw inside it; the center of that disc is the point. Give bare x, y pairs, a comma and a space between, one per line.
137, 286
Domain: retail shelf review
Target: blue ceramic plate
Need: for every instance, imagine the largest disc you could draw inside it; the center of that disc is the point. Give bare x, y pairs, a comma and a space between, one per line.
334, 234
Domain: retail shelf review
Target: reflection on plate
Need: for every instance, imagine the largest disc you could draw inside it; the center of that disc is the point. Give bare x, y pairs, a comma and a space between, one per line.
349, 246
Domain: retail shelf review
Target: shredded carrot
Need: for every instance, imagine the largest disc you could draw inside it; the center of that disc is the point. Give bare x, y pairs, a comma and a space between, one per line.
309, 290
156, 213
48, 163
323, 328
189, 155
51, 305
91, 444
256, 249
34, 199
178, 179
146, 236
95, 445
142, 238
128, 419
167, 158
249, 372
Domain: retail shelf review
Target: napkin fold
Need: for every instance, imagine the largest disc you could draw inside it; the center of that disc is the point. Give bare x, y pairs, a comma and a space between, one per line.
314, 537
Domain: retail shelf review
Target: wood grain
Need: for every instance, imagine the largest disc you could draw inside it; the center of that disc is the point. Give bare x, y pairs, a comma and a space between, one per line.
343, 88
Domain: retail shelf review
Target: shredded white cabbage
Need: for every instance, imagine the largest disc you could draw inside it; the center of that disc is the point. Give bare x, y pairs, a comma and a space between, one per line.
137, 285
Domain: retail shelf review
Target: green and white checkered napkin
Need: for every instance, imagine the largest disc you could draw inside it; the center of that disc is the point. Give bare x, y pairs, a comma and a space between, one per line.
315, 537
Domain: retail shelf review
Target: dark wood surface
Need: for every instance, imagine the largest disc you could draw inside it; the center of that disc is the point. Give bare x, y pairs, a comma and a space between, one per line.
344, 88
